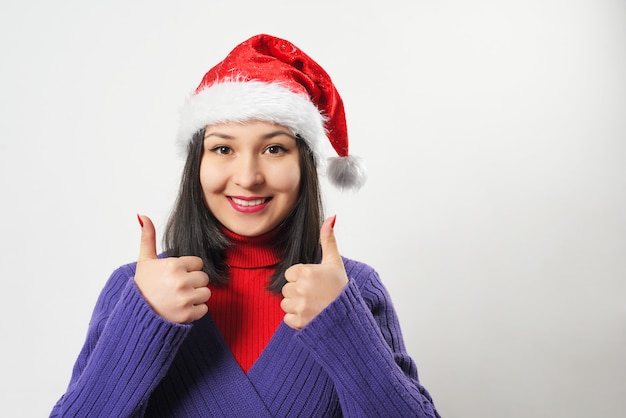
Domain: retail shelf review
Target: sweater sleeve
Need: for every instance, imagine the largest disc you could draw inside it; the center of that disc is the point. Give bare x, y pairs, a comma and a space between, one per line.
358, 341
127, 352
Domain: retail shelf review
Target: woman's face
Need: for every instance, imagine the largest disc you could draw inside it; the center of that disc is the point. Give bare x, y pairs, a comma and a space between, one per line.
250, 175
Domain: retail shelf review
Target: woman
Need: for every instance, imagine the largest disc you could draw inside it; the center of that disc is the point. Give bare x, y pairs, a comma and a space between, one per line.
251, 310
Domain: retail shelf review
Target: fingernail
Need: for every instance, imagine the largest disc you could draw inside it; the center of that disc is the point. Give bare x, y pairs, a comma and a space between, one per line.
332, 224
140, 221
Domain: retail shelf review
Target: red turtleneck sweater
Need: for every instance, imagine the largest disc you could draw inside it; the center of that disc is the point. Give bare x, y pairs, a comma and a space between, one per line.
245, 312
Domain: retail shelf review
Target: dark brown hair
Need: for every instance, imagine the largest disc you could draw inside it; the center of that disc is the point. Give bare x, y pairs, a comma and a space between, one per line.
193, 230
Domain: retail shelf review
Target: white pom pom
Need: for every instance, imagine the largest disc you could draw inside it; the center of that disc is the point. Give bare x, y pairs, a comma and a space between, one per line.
346, 172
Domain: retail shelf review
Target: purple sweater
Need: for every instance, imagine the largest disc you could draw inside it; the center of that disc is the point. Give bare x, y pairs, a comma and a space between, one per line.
349, 361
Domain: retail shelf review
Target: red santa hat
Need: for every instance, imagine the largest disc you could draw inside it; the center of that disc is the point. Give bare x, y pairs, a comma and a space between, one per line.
270, 79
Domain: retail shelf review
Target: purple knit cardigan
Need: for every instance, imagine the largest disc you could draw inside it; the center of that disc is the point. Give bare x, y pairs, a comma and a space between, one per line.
349, 361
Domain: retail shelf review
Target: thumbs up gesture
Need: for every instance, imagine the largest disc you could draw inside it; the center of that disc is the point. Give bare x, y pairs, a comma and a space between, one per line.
175, 287
312, 287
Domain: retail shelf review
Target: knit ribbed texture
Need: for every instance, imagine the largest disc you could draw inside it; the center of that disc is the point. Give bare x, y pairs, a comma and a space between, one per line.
245, 312
367, 390
131, 348
349, 361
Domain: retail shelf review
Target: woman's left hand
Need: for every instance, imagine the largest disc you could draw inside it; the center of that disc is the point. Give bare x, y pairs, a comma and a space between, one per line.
312, 287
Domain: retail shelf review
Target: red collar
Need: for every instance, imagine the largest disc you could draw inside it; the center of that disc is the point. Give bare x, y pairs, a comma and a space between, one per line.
252, 252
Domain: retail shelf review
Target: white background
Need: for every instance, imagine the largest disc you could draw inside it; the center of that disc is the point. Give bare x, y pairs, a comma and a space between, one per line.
494, 133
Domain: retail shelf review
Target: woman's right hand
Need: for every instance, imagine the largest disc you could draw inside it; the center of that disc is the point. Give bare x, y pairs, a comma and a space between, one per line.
175, 287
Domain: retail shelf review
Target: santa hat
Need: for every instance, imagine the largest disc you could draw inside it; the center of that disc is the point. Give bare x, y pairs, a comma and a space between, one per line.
270, 79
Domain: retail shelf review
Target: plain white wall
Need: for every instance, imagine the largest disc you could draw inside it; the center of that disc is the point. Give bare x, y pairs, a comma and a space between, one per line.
494, 133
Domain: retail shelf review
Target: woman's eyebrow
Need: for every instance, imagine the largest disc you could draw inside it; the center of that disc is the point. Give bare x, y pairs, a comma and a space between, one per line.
273, 134
219, 135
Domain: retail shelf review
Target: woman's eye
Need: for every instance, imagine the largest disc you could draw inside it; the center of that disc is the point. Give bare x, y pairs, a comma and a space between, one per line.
222, 149
275, 149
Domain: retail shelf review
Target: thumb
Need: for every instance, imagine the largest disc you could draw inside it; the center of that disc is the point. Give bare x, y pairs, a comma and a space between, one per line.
147, 248
330, 252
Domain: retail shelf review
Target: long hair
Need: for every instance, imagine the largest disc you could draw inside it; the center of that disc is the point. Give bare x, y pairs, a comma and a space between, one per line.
192, 229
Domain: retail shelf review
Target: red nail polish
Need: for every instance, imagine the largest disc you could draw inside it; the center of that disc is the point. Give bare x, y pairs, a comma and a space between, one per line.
332, 224
140, 221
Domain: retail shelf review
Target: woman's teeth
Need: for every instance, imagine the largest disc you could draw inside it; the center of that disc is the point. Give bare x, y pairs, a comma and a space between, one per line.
254, 202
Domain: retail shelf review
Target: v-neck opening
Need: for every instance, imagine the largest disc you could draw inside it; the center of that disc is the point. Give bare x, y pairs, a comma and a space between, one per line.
229, 352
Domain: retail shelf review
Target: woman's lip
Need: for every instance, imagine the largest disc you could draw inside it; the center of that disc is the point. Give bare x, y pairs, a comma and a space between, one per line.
248, 204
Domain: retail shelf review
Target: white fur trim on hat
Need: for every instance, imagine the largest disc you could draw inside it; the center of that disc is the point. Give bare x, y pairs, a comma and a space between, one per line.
242, 101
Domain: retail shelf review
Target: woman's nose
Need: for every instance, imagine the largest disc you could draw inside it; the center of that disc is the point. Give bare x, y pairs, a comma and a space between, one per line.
247, 172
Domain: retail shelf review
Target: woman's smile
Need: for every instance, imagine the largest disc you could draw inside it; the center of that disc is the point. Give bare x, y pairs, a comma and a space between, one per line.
248, 204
